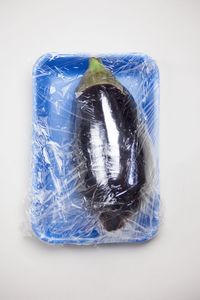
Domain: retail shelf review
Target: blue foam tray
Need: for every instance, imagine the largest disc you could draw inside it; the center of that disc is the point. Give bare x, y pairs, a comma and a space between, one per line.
56, 213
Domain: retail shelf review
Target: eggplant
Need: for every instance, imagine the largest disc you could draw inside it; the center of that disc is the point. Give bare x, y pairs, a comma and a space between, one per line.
110, 154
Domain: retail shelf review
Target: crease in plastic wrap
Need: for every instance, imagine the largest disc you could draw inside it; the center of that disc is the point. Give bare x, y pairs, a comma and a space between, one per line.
95, 172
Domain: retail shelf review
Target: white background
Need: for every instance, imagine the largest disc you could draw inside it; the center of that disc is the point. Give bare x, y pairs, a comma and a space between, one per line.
168, 267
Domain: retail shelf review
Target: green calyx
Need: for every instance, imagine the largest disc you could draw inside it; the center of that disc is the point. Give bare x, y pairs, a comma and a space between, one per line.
97, 74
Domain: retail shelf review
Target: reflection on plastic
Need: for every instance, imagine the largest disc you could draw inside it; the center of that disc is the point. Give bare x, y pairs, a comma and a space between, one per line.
95, 158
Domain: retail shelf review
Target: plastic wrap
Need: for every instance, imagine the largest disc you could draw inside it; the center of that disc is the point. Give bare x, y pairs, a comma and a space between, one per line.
95, 149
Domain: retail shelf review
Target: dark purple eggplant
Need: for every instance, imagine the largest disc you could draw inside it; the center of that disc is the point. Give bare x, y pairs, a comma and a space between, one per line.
110, 153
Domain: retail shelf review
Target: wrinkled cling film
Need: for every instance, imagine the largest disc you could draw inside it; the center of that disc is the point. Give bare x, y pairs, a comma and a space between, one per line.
95, 175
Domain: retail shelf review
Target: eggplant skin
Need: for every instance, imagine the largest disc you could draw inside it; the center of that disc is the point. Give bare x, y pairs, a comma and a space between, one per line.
110, 158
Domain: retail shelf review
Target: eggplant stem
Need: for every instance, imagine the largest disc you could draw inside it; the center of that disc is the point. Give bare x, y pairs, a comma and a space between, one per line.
97, 74
95, 65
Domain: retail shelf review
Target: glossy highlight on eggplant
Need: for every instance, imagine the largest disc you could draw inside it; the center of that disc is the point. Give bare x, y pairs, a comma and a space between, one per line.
110, 154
